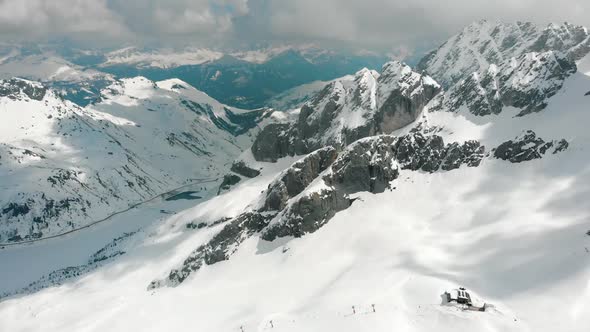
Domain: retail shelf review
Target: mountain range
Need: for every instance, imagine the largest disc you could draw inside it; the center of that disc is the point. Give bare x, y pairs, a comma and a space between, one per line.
353, 207
244, 78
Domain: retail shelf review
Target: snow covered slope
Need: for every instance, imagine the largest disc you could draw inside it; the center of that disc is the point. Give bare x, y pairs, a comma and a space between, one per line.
364, 235
63, 166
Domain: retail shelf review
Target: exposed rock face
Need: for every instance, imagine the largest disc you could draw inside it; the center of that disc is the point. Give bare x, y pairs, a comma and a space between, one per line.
274, 142
228, 181
242, 169
297, 177
239, 169
15, 88
469, 153
528, 147
347, 110
307, 214
536, 78
429, 153
367, 165
401, 96
487, 68
526, 82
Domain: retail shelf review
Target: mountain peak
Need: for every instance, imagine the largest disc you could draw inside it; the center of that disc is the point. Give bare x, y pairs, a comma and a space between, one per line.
483, 43
349, 109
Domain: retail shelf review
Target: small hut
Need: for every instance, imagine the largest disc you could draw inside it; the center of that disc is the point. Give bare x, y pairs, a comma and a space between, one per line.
459, 295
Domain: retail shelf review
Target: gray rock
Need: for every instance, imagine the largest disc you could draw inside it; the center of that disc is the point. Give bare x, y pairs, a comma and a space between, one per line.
13, 87
402, 96
308, 214
242, 169
297, 177
527, 147
273, 142
366, 165
470, 153
418, 152
560, 146
228, 181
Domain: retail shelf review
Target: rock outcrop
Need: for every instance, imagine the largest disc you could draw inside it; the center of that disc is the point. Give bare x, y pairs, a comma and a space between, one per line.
16, 88
528, 147
240, 167
228, 181
296, 178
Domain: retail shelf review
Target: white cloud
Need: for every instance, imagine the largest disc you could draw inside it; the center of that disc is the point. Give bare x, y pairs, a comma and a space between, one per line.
385, 24
22, 19
391, 22
119, 20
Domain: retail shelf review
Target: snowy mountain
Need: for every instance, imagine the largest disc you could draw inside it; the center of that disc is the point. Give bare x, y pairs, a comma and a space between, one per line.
349, 109
484, 43
167, 58
356, 212
160, 58
64, 166
246, 79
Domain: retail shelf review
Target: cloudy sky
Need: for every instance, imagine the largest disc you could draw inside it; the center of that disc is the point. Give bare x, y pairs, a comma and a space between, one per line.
371, 24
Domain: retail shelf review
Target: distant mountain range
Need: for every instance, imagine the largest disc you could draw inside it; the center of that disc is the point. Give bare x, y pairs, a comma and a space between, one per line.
245, 79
